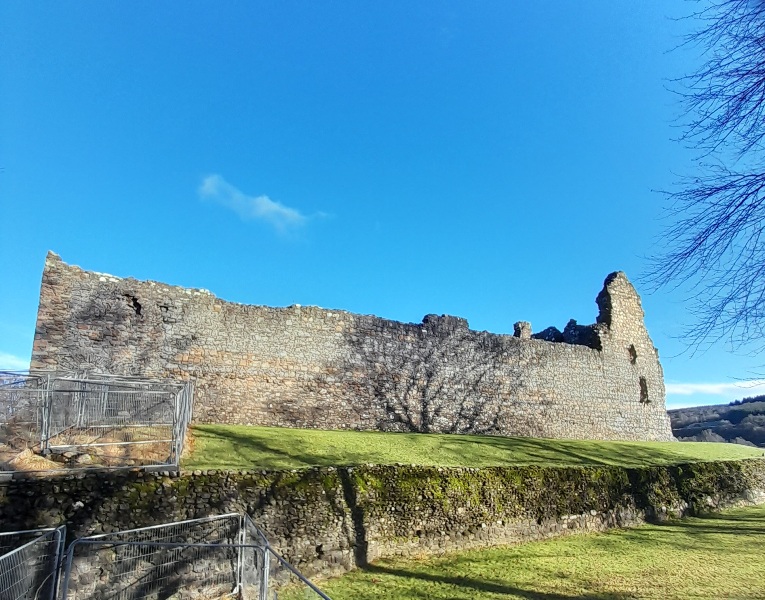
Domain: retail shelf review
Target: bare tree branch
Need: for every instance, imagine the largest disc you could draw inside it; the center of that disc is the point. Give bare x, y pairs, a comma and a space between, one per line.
724, 97
715, 248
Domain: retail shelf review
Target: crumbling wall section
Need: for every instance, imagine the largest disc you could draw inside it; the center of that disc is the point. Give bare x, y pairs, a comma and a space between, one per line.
311, 367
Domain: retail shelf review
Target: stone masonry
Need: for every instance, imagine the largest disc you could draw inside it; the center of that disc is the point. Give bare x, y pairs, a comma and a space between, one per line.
311, 367
328, 520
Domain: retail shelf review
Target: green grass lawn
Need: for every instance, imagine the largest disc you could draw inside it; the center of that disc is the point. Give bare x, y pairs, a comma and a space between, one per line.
242, 447
721, 556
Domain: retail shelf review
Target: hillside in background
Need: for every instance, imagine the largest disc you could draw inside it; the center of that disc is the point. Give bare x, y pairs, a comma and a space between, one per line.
740, 422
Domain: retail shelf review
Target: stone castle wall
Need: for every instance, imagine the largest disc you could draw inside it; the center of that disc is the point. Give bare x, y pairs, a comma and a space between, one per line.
311, 367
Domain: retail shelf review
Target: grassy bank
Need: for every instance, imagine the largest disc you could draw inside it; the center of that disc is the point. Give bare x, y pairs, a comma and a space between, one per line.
719, 556
241, 447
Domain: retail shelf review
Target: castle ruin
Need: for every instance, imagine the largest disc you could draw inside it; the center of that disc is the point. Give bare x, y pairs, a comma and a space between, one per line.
311, 367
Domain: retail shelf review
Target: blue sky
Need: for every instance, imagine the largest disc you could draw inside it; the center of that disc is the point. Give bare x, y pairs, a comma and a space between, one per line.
491, 160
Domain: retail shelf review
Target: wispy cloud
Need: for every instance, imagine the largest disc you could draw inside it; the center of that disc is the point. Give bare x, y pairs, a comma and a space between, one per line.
704, 393
729, 389
261, 208
10, 362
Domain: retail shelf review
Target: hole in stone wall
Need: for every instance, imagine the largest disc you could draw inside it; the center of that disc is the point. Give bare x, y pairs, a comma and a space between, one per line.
166, 313
633, 353
134, 304
644, 391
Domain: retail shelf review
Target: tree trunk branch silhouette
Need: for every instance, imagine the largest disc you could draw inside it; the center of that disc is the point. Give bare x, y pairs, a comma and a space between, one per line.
714, 248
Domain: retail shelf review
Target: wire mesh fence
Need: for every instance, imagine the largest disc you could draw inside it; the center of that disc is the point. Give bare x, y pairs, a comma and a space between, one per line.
197, 557
29, 562
265, 574
52, 421
215, 557
21, 400
284, 582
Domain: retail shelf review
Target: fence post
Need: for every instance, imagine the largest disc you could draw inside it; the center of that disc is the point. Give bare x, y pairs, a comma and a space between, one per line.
264, 574
174, 451
60, 540
80, 402
64, 582
241, 541
46, 410
183, 402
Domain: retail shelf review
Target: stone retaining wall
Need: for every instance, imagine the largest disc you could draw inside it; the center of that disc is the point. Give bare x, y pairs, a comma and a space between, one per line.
326, 521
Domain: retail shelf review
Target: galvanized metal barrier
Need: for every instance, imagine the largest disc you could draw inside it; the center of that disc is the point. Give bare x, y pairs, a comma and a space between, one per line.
53, 421
214, 557
225, 556
29, 563
21, 400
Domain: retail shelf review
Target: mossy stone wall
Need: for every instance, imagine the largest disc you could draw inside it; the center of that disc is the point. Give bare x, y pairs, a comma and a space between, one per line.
327, 520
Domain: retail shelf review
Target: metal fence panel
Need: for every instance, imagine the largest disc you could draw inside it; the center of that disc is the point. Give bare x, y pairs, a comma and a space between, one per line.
110, 420
183, 408
267, 575
21, 400
52, 421
189, 559
226, 556
287, 583
29, 563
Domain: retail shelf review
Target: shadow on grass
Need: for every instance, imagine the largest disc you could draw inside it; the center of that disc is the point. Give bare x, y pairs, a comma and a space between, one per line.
713, 536
572, 452
709, 533
258, 450
273, 448
477, 586
728, 523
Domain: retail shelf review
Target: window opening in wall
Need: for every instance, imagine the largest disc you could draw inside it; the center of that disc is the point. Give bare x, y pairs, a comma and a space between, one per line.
644, 391
633, 353
134, 304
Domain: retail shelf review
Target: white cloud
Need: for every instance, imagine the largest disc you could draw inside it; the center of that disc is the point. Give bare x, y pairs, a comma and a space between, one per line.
728, 390
262, 208
701, 394
9, 362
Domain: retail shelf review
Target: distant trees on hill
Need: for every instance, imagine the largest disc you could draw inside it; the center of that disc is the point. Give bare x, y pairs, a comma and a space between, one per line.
741, 422
747, 400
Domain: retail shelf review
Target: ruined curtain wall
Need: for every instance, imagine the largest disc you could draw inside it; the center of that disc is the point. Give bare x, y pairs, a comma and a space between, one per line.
311, 367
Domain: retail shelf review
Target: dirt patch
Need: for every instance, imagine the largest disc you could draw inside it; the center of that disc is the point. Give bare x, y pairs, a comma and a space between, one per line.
118, 447
189, 444
26, 460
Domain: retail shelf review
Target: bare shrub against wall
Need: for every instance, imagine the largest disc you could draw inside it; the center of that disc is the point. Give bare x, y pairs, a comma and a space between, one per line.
419, 388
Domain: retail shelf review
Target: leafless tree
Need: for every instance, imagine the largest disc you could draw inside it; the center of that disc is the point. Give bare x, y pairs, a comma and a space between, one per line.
715, 248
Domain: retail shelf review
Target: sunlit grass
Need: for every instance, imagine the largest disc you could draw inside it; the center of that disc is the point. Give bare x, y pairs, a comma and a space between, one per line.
242, 447
721, 556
